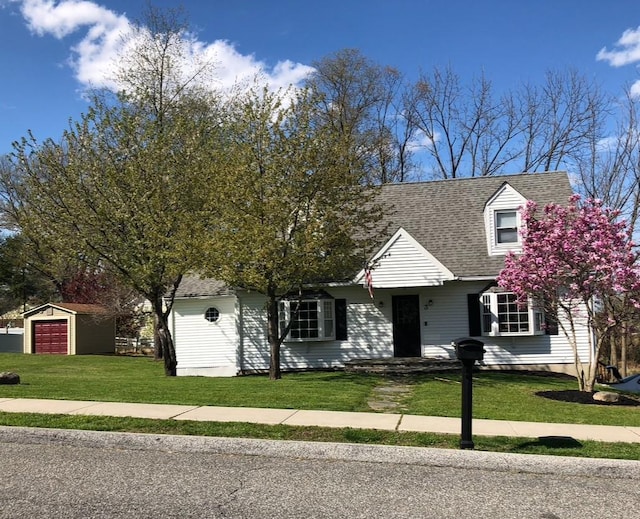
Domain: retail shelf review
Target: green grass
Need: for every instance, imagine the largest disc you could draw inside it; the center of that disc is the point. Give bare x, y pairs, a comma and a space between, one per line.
509, 396
496, 395
141, 379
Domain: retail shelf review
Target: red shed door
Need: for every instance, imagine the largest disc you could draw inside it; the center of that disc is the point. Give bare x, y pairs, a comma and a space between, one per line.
50, 337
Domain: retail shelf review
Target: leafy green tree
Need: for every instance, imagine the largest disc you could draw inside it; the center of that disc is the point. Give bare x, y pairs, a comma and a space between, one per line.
127, 185
21, 284
294, 202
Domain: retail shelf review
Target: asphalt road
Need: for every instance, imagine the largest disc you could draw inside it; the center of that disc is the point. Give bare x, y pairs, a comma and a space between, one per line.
84, 474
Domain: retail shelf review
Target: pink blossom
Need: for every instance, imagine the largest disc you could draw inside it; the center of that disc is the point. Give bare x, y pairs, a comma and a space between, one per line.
580, 250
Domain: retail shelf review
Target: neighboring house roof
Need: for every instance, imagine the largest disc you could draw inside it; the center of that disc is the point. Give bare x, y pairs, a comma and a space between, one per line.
195, 286
74, 308
446, 216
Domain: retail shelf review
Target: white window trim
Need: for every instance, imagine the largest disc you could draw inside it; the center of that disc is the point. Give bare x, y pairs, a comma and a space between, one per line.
498, 244
503, 248
326, 319
490, 319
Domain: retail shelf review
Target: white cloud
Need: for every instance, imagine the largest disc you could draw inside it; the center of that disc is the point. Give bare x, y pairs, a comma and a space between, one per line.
93, 58
421, 141
607, 144
634, 91
63, 18
627, 49
233, 68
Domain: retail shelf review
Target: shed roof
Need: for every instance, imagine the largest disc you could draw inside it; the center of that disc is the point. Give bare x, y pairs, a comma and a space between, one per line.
72, 308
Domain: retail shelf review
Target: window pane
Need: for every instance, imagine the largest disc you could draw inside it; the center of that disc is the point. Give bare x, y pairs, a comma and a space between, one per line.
539, 321
486, 314
507, 236
305, 324
507, 219
282, 315
512, 318
327, 310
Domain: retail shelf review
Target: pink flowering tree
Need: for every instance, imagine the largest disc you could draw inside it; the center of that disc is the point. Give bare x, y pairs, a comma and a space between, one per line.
576, 261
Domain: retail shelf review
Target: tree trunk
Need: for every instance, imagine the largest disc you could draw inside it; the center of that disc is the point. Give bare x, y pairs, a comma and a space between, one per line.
576, 357
613, 350
590, 383
273, 337
157, 348
624, 340
163, 336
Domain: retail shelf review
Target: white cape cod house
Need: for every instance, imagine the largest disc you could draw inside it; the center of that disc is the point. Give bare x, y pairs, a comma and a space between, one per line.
433, 280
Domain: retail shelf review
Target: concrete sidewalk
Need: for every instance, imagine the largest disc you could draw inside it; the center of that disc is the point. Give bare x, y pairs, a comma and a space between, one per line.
339, 419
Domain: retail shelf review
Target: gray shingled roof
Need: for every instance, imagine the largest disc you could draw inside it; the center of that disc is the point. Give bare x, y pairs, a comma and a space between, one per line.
195, 286
446, 216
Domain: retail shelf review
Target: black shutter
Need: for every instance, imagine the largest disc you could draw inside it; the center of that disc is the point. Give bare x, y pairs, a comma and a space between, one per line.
341, 319
473, 308
551, 324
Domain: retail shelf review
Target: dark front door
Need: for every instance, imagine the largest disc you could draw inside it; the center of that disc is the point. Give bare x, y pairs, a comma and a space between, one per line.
406, 326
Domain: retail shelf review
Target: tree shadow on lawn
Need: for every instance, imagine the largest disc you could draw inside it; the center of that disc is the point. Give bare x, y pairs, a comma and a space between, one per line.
584, 397
552, 442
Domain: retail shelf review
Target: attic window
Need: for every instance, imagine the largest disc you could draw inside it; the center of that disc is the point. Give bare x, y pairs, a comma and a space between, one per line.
506, 227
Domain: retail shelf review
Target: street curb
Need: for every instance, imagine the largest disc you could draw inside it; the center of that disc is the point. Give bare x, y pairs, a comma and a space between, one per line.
422, 456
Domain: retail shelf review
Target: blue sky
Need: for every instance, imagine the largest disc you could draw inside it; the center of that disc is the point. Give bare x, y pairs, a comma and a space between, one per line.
49, 53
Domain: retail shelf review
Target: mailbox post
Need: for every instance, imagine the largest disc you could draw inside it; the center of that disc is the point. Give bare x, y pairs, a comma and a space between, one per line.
468, 350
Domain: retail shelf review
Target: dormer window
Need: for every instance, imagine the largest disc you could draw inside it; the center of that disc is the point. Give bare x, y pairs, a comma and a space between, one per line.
502, 221
506, 227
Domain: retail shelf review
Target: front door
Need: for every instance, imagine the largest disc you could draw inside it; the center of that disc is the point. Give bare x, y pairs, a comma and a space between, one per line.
406, 326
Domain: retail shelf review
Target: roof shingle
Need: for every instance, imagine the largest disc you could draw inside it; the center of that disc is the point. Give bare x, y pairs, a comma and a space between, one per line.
446, 216
195, 286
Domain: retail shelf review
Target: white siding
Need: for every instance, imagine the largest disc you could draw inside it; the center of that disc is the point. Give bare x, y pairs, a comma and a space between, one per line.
447, 320
368, 329
202, 347
226, 347
405, 263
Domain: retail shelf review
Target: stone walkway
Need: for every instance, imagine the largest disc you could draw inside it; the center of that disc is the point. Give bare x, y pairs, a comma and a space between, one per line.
390, 396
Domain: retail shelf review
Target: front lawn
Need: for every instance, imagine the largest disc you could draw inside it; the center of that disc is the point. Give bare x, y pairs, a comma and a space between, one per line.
512, 396
113, 378
496, 395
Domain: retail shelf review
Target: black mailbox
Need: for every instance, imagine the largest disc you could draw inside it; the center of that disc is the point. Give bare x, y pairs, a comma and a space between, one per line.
469, 349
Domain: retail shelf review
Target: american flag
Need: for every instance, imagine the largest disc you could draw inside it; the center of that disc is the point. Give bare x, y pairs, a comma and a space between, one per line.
368, 280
